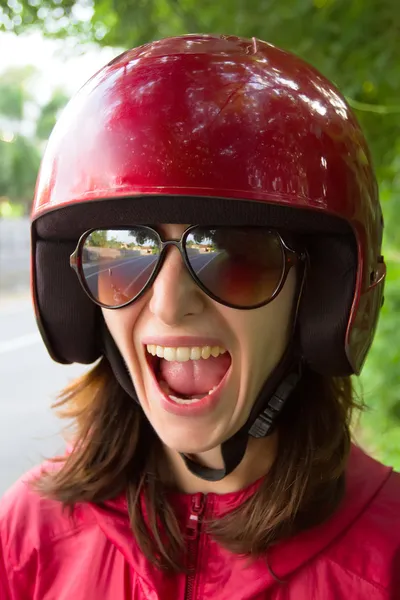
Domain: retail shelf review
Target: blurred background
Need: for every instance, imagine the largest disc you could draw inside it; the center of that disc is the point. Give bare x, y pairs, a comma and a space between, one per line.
49, 48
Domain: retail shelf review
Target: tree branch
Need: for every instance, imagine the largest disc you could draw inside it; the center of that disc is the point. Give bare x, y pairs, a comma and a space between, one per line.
379, 109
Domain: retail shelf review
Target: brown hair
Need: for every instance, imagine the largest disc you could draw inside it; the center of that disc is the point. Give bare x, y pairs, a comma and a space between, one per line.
303, 488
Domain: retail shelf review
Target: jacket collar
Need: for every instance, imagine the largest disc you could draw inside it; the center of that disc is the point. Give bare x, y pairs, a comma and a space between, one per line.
364, 479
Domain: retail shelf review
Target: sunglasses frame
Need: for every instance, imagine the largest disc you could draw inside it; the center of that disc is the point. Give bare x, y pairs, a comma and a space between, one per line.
292, 257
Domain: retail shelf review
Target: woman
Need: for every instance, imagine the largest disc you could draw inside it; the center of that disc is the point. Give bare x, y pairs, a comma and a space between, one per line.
216, 200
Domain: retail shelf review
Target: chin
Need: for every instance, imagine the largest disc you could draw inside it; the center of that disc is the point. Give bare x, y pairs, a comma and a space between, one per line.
188, 444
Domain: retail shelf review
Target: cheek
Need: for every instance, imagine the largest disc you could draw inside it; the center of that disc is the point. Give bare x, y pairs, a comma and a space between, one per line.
265, 332
264, 349
121, 323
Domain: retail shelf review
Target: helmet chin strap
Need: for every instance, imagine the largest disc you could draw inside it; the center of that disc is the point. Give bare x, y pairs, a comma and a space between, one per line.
269, 404
260, 423
265, 411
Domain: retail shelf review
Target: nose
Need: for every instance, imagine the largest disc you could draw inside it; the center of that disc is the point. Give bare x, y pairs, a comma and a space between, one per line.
174, 294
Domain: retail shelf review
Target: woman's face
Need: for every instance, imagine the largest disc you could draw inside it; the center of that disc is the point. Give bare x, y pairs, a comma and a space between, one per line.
176, 313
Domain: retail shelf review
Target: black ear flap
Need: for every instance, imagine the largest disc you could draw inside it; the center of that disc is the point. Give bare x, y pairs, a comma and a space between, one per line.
326, 303
69, 319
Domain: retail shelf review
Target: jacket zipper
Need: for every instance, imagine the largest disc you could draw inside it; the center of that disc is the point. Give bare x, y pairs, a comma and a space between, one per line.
193, 528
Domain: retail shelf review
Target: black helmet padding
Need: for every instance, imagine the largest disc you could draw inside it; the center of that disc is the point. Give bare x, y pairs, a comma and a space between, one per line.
326, 303
71, 324
68, 317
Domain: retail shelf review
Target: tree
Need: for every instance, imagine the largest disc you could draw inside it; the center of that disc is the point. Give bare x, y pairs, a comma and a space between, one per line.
20, 150
98, 238
49, 114
142, 237
20, 160
19, 155
14, 92
355, 43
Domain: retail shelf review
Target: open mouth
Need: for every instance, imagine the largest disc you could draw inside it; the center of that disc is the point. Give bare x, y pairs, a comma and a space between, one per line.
188, 374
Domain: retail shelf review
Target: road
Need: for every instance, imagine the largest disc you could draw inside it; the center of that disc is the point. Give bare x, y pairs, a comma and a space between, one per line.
29, 382
122, 278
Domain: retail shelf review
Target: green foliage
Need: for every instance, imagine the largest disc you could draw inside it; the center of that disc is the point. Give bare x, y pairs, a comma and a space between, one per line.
11, 101
14, 93
20, 153
19, 161
49, 114
141, 237
381, 377
98, 238
355, 43
10, 210
50, 16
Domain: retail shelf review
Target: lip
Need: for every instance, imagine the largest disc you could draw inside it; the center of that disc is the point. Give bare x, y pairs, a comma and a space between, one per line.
196, 408
181, 341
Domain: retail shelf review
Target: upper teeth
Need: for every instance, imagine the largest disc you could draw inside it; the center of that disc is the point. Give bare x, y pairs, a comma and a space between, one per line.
182, 354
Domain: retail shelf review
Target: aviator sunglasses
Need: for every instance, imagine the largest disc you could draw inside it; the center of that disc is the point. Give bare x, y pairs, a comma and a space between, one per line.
240, 267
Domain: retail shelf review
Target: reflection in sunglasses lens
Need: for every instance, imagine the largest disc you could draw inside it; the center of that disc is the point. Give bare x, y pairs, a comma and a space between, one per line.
240, 266
117, 264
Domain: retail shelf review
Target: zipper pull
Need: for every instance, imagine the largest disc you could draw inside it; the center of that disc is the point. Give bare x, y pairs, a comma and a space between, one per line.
193, 524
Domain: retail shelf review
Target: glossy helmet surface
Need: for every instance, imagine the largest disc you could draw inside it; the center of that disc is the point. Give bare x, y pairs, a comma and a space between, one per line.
213, 129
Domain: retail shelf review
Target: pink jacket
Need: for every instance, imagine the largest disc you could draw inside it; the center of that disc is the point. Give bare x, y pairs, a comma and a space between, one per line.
47, 555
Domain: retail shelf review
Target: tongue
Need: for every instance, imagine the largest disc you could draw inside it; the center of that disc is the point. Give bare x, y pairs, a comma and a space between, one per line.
195, 377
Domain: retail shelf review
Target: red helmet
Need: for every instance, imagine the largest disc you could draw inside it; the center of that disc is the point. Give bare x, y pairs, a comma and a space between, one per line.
209, 130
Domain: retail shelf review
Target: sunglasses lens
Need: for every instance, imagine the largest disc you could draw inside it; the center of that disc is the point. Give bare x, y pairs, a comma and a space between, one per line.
117, 264
241, 266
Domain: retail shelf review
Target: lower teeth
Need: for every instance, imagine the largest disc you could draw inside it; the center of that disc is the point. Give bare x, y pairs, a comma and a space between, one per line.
182, 401
166, 389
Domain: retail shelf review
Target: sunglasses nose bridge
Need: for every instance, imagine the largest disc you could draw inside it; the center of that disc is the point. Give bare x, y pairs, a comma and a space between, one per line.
177, 243
163, 250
